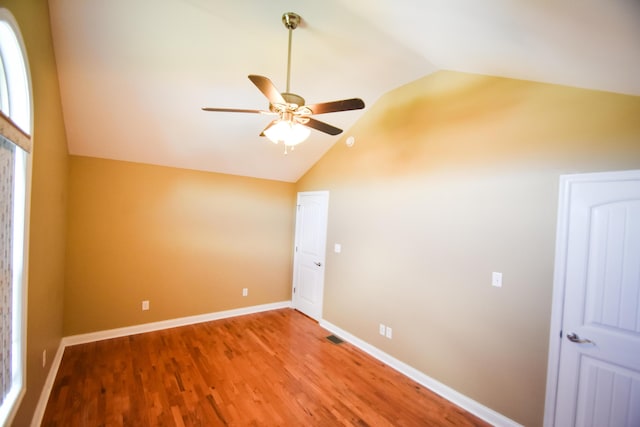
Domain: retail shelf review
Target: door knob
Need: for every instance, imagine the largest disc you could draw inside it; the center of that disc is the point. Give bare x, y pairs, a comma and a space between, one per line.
573, 337
319, 264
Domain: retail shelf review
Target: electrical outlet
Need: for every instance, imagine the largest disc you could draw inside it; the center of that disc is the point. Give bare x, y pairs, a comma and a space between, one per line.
389, 333
145, 305
496, 279
245, 292
382, 329
44, 358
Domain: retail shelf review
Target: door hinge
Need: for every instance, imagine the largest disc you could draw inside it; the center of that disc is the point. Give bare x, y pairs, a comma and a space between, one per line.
294, 290
560, 333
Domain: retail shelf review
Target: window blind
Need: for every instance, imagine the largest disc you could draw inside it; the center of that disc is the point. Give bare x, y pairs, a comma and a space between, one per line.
12, 138
7, 169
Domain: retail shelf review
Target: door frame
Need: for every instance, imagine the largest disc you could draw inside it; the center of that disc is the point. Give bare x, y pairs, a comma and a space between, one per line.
557, 305
296, 236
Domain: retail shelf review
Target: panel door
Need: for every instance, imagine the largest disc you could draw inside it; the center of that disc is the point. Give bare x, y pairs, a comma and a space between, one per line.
309, 257
599, 364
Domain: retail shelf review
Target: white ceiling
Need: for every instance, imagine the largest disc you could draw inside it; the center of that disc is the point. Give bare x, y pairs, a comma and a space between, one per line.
134, 74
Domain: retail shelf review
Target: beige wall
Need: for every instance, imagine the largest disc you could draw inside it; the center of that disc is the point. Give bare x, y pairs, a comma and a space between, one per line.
186, 241
48, 201
453, 177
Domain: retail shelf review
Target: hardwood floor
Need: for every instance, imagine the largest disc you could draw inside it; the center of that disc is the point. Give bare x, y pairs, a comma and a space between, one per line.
268, 369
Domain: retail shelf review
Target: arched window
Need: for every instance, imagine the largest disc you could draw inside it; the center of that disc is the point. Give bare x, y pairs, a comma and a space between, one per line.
15, 146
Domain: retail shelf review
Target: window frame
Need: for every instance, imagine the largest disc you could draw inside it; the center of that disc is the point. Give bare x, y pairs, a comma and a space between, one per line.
20, 115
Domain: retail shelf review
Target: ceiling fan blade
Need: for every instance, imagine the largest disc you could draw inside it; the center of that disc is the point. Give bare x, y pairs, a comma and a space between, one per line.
233, 110
323, 127
335, 106
267, 88
268, 126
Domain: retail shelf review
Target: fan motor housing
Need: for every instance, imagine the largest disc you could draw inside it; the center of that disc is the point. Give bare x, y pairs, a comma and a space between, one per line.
292, 98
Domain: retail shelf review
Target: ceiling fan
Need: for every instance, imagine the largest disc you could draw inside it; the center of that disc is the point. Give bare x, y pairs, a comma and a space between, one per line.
293, 117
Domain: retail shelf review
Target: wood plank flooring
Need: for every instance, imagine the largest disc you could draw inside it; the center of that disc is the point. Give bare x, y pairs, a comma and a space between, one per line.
268, 369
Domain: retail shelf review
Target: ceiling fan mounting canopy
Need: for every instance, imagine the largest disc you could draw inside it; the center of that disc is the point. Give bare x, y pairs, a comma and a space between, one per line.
291, 20
290, 107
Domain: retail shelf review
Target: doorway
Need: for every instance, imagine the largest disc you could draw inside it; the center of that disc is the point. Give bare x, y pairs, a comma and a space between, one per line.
309, 252
594, 351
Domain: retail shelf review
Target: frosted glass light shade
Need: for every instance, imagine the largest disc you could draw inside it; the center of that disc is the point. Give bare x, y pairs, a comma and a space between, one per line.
289, 133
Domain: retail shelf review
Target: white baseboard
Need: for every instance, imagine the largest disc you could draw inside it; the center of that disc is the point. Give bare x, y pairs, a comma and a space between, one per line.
470, 405
172, 323
38, 414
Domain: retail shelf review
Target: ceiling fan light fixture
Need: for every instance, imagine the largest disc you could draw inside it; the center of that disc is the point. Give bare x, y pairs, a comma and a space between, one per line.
288, 132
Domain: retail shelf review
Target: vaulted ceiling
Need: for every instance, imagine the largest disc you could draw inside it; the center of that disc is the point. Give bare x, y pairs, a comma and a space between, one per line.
135, 74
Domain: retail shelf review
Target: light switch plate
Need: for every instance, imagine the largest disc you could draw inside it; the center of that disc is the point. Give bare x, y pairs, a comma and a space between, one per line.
496, 279
337, 248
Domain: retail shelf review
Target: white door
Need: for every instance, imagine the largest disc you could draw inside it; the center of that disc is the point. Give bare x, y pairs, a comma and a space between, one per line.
595, 344
310, 246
